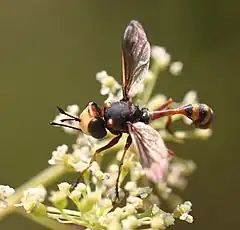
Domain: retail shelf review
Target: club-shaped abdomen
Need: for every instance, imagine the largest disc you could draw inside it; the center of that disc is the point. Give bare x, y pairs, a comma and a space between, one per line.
200, 114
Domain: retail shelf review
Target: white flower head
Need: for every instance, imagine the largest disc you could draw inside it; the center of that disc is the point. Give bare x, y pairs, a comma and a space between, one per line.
160, 56
109, 86
33, 196
176, 68
5, 192
59, 155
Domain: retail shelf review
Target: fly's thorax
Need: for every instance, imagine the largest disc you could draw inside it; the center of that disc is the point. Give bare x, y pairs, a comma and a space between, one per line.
119, 113
92, 123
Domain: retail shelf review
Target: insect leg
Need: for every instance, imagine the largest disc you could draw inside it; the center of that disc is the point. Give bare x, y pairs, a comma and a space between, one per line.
165, 105
167, 112
169, 121
126, 147
110, 144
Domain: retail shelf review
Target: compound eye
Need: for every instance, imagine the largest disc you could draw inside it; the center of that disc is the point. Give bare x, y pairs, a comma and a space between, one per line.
97, 128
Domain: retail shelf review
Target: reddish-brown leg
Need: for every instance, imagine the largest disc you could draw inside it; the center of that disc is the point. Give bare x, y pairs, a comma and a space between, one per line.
167, 112
126, 147
165, 105
110, 144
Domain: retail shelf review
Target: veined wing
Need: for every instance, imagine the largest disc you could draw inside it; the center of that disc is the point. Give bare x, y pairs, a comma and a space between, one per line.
135, 57
152, 150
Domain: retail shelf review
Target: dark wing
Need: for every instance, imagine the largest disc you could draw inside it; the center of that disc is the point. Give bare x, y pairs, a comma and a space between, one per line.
152, 150
135, 56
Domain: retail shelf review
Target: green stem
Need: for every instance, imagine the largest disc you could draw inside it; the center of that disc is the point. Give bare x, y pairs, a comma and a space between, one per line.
44, 221
45, 178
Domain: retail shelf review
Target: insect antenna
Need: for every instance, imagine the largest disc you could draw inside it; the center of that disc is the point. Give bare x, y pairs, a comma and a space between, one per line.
68, 119
67, 114
63, 125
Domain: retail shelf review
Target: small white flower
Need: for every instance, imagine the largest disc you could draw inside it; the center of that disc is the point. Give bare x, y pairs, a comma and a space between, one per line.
190, 98
80, 166
129, 209
5, 192
64, 187
109, 86
160, 56
129, 223
188, 218
157, 222
59, 155
169, 219
94, 167
155, 209
135, 201
100, 76
32, 197
130, 186
143, 192
204, 134
176, 68
73, 110
81, 187
37, 194
188, 203
113, 168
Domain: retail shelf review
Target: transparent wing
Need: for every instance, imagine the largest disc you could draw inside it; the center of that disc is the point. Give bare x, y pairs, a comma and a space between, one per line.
152, 150
135, 56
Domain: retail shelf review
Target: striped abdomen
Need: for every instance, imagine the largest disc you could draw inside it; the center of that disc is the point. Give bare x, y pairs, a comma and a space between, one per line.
200, 114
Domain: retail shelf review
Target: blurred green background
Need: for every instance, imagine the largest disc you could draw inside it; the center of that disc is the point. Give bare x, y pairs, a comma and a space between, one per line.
50, 52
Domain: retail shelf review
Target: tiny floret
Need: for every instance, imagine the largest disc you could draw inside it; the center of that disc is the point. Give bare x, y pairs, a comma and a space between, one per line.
188, 218
59, 155
160, 56
176, 68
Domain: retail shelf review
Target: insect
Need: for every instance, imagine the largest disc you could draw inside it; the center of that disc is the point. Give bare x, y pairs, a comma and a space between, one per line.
125, 117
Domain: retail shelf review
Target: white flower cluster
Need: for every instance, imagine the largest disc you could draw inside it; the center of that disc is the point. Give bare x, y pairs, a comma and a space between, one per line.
32, 200
109, 86
5, 193
80, 157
